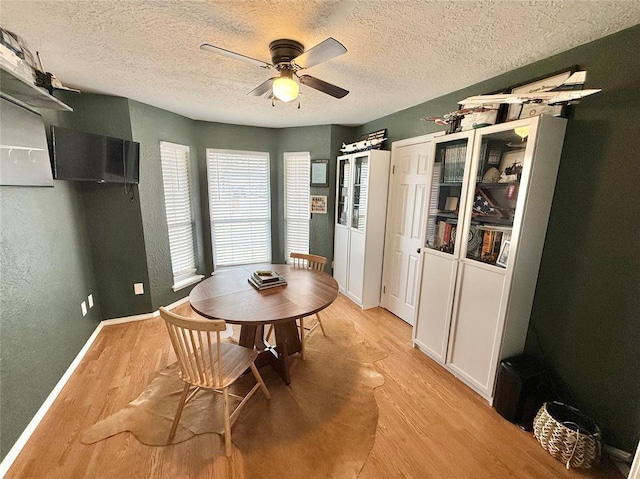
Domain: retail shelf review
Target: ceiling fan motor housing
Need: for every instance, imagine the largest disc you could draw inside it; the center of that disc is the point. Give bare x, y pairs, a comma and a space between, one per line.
283, 51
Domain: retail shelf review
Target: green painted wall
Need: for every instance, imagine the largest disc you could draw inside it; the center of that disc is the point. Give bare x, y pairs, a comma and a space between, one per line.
321, 141
149, 126
47, 271
113, 217
317, 141
586, 314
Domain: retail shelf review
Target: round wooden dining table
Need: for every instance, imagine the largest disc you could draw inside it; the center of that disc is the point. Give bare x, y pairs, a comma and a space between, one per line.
229, 296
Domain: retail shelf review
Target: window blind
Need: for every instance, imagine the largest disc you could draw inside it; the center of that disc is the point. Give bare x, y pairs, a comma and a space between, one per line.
177, 199
239, 206
296, 202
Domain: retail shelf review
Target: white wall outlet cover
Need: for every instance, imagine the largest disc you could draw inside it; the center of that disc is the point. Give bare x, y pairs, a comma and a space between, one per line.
83, 305
138, 288
90, 299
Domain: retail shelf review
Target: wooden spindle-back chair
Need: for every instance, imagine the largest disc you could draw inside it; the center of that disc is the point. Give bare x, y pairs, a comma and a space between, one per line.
309, 261
207, 363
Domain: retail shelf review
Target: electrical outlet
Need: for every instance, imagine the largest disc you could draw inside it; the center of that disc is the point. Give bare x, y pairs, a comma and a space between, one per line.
90, 299
138, 288
83, 305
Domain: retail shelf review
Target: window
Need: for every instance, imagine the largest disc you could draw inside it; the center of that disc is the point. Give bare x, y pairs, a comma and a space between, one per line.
296, 202
239, 205
177, 202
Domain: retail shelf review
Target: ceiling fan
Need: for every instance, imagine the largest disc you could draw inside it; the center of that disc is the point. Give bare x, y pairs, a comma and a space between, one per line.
288, 57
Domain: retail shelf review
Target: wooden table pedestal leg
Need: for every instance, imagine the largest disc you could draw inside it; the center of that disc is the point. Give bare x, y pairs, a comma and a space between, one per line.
287, 342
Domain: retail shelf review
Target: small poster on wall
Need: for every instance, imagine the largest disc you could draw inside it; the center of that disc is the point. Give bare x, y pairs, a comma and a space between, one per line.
319, 173
319, 204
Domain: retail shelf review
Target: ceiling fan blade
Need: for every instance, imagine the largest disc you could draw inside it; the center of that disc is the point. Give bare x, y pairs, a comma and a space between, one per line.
263, 88
234, 55
323, 86
323, 51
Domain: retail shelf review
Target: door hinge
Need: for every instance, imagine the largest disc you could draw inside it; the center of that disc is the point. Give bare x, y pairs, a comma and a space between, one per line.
384, 290
393, 170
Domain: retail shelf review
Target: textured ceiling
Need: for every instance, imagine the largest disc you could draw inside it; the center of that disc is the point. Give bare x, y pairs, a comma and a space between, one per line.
400, 53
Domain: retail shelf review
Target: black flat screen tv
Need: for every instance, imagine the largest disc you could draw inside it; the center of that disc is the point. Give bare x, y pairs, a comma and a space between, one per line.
82, 156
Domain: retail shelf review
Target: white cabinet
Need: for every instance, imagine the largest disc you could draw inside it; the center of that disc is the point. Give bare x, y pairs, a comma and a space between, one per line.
361, 205
491, 193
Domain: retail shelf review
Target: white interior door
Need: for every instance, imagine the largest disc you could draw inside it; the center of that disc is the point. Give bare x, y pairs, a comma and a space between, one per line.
405, 224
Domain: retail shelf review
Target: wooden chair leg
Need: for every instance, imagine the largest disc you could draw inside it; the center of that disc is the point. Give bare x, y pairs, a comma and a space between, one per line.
321, 325
227, 423
176, 420
270, 331
263, 386
302, 336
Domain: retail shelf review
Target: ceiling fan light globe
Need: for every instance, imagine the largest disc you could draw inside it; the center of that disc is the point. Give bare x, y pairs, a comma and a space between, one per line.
285, 89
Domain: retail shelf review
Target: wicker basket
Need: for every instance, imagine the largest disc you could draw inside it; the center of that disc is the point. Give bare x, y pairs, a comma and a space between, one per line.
567, 434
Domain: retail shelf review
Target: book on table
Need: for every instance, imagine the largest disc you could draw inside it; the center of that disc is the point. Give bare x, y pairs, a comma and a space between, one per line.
263, 279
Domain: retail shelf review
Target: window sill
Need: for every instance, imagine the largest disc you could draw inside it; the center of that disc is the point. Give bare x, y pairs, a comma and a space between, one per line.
187, 282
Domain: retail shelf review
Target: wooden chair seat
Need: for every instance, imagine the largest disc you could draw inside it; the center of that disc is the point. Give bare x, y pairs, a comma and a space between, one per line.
206, 362
235, 361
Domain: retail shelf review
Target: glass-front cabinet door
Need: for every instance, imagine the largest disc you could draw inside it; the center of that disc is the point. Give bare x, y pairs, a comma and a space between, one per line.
475, 295
447, 182
344, 178
500, 158
360, 184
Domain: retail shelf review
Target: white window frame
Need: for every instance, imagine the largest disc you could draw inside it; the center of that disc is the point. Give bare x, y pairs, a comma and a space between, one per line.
247, 224
176, 180
297, 191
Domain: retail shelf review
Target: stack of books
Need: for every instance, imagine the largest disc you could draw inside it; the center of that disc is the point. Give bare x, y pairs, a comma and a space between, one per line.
492, 239
265, 279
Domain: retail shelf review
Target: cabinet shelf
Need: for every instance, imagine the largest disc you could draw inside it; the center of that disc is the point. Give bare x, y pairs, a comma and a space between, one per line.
444, 214
15, 88
488, 186
479, 220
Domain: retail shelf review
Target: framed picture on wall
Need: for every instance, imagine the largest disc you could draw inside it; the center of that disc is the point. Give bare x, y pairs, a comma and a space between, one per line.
319, 204
319, 173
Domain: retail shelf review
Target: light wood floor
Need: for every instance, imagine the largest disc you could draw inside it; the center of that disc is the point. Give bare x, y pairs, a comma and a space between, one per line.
430, 425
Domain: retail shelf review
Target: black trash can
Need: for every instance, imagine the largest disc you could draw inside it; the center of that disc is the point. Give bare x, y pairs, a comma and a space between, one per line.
522, 386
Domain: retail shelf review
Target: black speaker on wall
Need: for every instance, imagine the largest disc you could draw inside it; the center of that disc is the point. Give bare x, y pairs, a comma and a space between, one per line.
522, 387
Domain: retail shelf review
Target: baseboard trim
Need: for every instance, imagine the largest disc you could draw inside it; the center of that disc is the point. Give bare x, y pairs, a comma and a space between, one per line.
618, 454
127, 319
35, 421
174, 305
15, 450
142, 317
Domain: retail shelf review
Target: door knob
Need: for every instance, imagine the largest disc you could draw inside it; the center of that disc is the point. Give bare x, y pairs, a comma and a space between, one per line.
418, 251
